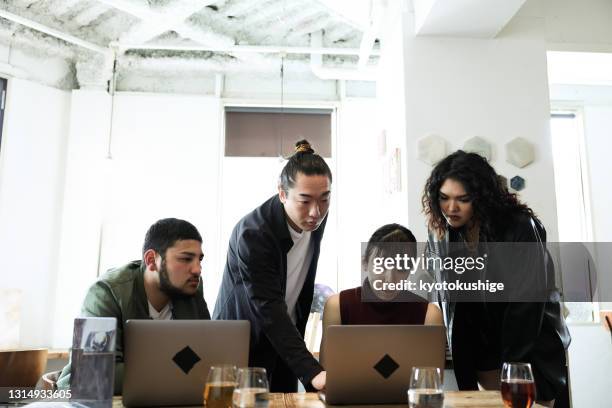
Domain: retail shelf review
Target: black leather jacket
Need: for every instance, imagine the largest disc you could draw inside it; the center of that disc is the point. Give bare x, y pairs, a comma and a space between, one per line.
528, 330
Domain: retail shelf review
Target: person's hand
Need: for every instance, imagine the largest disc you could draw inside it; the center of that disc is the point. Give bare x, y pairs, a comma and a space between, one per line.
319, 381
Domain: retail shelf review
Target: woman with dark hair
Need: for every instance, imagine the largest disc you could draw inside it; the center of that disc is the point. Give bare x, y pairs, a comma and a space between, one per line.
369, 304
467, 207
270, 271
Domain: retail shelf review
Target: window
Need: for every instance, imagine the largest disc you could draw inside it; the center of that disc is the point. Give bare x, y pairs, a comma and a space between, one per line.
272, 132
573, 210
571, 185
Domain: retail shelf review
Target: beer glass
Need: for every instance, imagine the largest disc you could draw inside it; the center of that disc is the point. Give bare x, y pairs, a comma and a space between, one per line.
220, 386
425, 388
517, 385
252, 388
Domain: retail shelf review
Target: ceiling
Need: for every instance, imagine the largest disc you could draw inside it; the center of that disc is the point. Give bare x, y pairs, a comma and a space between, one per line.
184, 37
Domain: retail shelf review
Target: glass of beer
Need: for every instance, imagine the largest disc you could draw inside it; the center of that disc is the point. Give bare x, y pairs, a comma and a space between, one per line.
425, 388
220, 386
252, 388
517, 385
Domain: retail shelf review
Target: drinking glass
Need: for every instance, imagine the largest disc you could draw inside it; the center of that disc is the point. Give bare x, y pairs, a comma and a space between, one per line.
252, 388
425, 388
517, 385
220, 386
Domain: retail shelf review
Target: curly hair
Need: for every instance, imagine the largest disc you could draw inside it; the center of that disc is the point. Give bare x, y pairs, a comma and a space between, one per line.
491, 200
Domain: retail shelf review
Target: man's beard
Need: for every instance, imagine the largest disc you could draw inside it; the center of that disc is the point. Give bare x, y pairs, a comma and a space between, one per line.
167, 287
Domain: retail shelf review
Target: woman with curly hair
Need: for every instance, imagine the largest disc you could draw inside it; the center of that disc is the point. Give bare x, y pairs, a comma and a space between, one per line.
470, 211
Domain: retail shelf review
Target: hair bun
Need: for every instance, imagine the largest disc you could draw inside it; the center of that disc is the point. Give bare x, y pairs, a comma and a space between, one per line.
303, 147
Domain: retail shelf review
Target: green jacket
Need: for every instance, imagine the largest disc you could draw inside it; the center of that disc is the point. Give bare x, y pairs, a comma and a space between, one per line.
120, 293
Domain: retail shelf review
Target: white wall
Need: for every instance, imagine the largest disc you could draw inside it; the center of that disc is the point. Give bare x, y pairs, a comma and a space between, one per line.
359, 185
165, 163
391, 111
32, 160
589, 357
495, 89
84, 198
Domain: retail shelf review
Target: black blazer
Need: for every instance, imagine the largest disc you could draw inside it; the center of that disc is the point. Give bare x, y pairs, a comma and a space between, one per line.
253, 288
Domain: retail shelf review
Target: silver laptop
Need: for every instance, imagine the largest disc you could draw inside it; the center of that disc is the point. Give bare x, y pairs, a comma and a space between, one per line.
167, 361
372, 364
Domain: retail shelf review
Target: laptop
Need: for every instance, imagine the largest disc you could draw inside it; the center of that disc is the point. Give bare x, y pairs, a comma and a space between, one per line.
167, 361
372, 364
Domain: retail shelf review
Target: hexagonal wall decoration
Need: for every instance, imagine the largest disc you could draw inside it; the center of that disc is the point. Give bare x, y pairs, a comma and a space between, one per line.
478, 145
517, 183
519, 152
431, 149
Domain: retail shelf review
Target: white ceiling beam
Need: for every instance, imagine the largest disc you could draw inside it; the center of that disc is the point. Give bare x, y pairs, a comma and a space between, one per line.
201, 35
174, 15
206, 36
357, 13
247, 49
53, 32
128, 7
377, 14
316, 65
13, 71
150, 18
463, 18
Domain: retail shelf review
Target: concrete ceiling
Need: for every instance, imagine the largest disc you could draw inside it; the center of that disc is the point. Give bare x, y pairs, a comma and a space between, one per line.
186, 36
88, 42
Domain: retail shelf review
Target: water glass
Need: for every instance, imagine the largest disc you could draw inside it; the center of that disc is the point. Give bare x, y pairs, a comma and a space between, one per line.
425, 388
252, 388
220, 386
517, 385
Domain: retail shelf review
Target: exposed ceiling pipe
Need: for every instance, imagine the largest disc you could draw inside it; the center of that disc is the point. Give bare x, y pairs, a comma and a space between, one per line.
377, 14
271, 49
316, 65
53, 32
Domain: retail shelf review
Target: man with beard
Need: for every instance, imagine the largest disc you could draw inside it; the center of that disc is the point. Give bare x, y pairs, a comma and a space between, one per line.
166, 284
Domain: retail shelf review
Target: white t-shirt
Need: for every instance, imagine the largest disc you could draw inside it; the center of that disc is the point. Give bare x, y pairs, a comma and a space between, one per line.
299, 258
164, 314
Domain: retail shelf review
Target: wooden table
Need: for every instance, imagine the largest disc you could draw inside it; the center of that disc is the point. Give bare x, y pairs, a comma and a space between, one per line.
452, 399
57, 354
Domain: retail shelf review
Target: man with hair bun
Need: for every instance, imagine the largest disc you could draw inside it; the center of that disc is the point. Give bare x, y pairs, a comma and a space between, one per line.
270, 271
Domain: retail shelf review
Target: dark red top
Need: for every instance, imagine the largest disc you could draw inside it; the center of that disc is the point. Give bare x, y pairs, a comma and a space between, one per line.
354, 311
